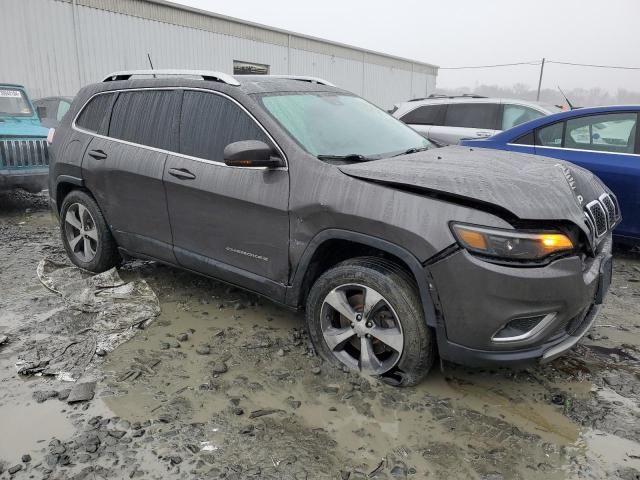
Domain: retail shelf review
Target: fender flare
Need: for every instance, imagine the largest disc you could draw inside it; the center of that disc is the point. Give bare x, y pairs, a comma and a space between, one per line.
416, 268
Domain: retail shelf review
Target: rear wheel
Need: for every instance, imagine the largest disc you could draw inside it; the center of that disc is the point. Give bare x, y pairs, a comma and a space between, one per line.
85, 234
365, 314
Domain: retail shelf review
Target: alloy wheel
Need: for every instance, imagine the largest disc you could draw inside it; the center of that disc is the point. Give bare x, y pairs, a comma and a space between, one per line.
81, 232
361, 329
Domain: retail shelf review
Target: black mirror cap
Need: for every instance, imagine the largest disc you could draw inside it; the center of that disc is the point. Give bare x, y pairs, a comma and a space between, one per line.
41, 111
251, 153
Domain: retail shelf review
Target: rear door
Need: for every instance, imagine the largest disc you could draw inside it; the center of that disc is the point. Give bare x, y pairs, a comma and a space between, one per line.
124, 168
607, 145
466, 120
424, 118
228, 222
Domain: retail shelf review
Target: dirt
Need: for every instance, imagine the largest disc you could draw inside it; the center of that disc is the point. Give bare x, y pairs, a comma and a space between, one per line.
224, 384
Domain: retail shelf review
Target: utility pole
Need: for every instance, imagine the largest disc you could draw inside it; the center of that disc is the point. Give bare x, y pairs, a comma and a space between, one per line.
540, 81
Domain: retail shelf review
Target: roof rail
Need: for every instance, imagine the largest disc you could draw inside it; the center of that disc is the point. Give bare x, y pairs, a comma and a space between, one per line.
206, 75
301, 78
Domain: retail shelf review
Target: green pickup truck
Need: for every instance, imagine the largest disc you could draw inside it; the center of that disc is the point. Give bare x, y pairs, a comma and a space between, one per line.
24, 158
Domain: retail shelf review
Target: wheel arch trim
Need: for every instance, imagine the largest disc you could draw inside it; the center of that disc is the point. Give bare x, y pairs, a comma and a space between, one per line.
295, 292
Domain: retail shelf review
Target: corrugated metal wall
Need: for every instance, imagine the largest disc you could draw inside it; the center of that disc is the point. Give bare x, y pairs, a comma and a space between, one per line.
56, 46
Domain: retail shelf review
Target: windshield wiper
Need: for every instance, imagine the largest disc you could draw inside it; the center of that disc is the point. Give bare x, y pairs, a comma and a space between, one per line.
411, 150
351, 157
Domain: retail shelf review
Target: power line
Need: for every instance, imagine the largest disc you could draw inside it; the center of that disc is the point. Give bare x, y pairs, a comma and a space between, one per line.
492, 66
535, 63
619, 67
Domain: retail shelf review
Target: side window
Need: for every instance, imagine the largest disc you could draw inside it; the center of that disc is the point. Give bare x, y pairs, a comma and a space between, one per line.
472, 115
614, 132
147, 118
550, 136
63, 107
94, 116
514, 115
210, 122
526, 139
426, 115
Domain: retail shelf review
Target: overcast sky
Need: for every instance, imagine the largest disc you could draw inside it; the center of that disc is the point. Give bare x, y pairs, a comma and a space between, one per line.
467, 32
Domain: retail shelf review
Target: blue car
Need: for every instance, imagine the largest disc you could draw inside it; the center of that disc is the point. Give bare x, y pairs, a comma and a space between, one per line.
605, 140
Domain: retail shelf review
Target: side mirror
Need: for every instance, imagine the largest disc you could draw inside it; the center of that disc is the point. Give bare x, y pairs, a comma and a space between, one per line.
42, 112
251, 153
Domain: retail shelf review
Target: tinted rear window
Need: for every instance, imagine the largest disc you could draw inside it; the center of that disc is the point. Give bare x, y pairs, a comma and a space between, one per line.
210, 122
93, 117
472, 115
426, 115
147, 118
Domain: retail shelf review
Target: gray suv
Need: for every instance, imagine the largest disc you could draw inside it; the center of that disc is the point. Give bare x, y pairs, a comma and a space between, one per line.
448, 119
309, 195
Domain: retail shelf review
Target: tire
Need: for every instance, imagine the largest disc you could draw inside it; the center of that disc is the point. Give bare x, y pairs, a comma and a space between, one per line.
82, 220
401, 361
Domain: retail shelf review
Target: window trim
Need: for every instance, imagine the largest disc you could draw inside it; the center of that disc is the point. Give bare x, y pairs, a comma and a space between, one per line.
170, 152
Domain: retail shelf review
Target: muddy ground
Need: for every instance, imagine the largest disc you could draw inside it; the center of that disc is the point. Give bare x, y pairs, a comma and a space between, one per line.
223, 384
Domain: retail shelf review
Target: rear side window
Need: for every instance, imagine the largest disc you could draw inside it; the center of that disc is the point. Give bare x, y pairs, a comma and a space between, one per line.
472, 115
94, 115
210, 122
147, 117
613, 132
426, 115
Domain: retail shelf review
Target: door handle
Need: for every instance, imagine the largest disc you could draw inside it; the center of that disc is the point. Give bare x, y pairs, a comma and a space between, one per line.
97, 154
181, 173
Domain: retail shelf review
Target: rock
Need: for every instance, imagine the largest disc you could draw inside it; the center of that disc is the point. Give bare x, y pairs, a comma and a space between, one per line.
262, 412
219, 368
26, 458
316, 370
64, 394
44, 395
182, 337
81, 392
203, 350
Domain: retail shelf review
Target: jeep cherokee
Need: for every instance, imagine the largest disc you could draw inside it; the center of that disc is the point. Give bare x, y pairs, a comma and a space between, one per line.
311, 196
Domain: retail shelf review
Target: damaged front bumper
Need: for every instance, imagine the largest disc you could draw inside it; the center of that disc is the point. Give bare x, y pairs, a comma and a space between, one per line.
495, 314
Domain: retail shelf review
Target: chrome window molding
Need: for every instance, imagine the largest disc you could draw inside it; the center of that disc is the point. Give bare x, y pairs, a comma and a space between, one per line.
572, 149
75, 127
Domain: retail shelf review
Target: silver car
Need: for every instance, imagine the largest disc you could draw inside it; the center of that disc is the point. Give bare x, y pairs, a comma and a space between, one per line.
448, 119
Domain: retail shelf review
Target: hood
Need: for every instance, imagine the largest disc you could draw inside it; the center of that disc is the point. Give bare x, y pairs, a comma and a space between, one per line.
23, 127
511, 185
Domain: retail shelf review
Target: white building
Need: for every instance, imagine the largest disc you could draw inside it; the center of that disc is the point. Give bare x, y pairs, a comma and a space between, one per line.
54, 47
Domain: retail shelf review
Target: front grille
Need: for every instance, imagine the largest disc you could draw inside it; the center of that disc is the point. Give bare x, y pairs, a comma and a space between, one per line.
598, 217
611, 208
23, 153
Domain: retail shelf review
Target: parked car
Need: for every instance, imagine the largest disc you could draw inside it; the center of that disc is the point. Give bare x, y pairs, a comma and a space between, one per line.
449, 119
604, 140
24, 158
52, 109
311, 196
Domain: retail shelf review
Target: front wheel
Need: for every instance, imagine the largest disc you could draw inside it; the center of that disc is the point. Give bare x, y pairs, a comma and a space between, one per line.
365, 314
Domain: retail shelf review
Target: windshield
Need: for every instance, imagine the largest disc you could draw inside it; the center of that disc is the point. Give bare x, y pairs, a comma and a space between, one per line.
338, 125
14, 102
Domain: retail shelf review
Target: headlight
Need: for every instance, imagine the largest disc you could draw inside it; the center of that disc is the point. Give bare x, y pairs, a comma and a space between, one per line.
510, 245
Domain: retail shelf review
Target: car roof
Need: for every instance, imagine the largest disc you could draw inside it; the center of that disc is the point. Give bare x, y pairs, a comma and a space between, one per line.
524, 128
